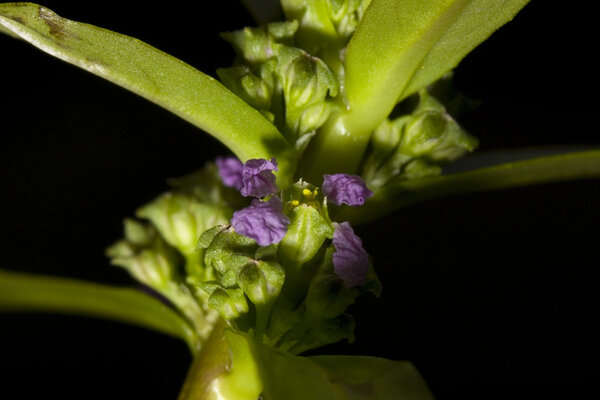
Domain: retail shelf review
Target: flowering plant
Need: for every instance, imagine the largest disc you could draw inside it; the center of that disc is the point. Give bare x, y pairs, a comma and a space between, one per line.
249, 256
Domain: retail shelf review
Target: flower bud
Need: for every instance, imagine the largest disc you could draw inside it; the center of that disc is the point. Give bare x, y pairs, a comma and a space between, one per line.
229, 303
306, 233
307, 81
328, 296
227, 251
261, 281
383, 163
254, 90
433, 134
144, 255
181, 219
257, 45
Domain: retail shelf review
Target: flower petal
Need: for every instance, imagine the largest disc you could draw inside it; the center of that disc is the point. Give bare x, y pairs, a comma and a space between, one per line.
344, 188
350, 260
262, 221
230, 169
258, 178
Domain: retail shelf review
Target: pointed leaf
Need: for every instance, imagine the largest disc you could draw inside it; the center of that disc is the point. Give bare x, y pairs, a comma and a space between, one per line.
20, 292
555, 168
157, 76
401, 46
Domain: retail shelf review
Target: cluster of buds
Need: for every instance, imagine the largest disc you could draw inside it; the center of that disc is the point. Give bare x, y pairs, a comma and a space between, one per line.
226, 241
160, 249
415, 145
283, 269
324, 23
290, 87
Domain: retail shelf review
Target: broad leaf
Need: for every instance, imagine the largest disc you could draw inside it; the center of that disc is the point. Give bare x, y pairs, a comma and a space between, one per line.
20, 292
555, 168
401, 46
338, 377
157, 76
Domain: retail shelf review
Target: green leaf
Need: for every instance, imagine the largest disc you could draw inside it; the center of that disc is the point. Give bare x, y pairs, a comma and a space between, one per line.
403, 46
157, 76
363, 377
399, 47
20, 292
338, 377
555, 168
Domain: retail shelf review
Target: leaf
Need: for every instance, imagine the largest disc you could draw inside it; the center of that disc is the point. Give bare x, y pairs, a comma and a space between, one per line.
401, 46
21, 292
555, 168
338, 377
156, 76
363, 377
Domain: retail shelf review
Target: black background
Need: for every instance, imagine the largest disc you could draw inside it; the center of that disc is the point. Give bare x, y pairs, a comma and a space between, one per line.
492, 295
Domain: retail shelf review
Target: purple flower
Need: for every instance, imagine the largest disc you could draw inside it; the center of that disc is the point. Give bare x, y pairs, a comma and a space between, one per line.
258, 178
344, 188
262, 221
230, 169
350, 261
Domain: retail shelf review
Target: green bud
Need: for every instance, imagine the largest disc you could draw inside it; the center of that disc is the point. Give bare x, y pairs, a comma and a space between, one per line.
253, 89
306, 234
328, 297
324, 23
144, 255
257, 45
228, 251
307, 82
229, 303
181, 219
261, 281
383, 163
137, 233
417, 169
433, 134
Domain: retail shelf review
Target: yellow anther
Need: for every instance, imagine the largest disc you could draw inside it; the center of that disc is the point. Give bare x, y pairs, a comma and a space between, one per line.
316, 192
306, 192
294, 203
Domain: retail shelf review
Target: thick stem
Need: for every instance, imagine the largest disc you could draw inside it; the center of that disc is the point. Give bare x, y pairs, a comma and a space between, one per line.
207, 367
225, 368
338, 147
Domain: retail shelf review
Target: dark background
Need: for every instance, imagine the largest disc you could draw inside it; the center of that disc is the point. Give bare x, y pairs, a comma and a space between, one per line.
491, 295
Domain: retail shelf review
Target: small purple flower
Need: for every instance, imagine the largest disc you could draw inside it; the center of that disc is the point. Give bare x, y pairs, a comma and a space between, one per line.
230, 169
350, 261
258, 178
344, 188
262, 221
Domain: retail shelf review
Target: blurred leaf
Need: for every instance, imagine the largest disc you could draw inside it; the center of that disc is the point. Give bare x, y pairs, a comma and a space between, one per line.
21, 292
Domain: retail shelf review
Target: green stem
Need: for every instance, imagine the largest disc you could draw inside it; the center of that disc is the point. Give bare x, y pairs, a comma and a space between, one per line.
338, 147
20, 292
225, 368
571, 166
